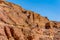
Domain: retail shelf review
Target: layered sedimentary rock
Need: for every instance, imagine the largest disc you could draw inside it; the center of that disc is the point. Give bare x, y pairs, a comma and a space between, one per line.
17, 23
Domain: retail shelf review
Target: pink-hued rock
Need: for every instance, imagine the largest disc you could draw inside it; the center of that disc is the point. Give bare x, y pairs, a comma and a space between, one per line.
17, 23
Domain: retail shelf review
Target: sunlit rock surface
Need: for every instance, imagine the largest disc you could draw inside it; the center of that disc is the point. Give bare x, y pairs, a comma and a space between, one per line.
17, 23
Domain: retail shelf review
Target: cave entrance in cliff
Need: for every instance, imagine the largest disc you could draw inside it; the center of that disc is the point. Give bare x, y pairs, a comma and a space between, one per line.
47, 26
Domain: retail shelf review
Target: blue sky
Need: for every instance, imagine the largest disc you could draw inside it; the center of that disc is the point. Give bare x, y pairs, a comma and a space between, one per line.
48, 8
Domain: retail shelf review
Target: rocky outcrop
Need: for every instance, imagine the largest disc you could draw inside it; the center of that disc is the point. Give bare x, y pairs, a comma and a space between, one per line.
17, 23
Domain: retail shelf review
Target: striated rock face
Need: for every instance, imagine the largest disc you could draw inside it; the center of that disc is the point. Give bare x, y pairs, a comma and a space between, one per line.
17, 23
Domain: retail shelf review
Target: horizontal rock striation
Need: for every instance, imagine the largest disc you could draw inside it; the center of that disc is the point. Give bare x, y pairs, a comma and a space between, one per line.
17, 23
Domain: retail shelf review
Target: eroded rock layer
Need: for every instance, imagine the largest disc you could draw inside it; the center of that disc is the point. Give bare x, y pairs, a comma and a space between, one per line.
17, 23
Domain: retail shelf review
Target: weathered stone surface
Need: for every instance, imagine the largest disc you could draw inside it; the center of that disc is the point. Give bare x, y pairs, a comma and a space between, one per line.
17, 23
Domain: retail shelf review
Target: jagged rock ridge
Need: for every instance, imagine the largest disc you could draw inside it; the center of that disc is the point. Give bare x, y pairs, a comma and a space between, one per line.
17, 23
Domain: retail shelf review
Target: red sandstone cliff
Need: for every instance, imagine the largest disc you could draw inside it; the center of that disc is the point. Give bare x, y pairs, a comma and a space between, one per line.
17, 23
